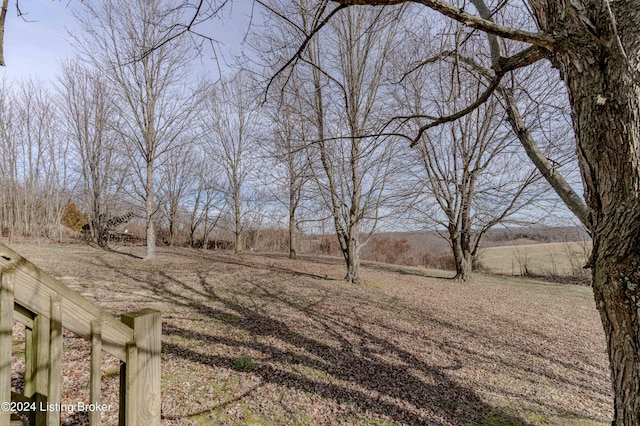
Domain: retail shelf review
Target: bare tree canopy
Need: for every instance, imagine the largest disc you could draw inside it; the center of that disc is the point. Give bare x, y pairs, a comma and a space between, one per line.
154, 105
342, 92
469, 173
595, 46
230, 123
90, 122
33, 164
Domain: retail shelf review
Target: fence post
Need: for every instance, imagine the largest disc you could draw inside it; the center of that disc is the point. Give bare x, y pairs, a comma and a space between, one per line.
145, 372
37, 350
6, 339
130, 393
95, 378
55, 359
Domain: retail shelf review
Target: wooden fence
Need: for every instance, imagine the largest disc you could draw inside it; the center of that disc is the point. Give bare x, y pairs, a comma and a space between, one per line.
45, 306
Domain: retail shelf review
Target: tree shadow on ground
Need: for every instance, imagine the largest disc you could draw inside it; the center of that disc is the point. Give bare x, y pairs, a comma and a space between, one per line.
410, 393
357, 366
116, 251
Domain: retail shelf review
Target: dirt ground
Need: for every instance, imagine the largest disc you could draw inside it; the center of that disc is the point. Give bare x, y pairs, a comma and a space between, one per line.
262, 340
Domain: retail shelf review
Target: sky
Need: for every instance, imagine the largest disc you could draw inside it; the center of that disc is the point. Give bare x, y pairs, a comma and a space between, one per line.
37, 43
34, 45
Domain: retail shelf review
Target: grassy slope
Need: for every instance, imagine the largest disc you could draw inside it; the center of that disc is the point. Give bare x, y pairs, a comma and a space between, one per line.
542, 259
405, 348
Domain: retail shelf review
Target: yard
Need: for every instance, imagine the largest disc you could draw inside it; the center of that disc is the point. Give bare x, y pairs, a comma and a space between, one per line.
259, 339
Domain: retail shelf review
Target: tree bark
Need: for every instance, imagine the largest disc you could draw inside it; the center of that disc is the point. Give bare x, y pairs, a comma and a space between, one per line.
605, 99
237, 211
464, 267
463, 259
292, 227
150, 208
3, 15
352, 258
607, 124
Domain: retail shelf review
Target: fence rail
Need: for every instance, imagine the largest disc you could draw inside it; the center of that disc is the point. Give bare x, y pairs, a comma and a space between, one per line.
45, 306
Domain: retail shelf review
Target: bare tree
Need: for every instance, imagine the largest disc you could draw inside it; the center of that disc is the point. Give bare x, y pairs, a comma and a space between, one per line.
178, 177
470, 175
291, 170
205, 202
3, 15
90, 114
476, 178
595, 46
33, 162
354, 168
230, 126
124, 41
288, 109
8, 160
339, 103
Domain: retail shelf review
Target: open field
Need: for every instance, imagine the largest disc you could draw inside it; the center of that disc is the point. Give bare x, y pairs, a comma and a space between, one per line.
551, 259
262, 340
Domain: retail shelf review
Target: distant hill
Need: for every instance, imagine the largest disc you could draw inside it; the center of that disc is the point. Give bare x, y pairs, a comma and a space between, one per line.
537, 235
431, 249
433, 241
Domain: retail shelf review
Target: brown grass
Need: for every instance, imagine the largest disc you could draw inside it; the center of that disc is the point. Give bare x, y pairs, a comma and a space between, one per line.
550, 259
259, 339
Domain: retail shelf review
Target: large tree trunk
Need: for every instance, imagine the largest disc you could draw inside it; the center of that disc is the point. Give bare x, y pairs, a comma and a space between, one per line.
464, 264
352, 258
609, 144
462, 256
615, 284
173, 214
606, 113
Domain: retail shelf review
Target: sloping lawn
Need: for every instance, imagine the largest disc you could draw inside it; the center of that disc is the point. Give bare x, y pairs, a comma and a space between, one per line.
262, 340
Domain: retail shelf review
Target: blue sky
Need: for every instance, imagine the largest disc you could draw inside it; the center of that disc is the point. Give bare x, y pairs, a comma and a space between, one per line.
33, 46
36, 45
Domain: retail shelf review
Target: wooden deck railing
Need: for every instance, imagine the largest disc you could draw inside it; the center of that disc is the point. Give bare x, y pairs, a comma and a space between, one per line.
45, 306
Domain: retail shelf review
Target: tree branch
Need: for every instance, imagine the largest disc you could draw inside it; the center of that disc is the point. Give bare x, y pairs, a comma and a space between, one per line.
572, 200
546, 168
3, 15
469, 109
188, 28
304, 45
501, 67
521, 59
467, 19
